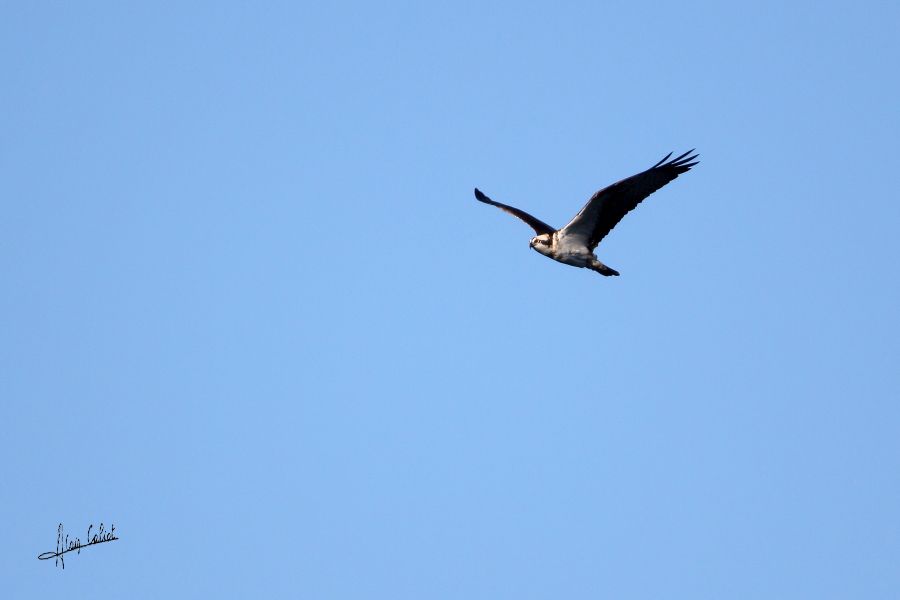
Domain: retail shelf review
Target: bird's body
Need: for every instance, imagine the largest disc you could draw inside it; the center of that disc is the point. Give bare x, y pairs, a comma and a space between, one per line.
552, 246
574, 244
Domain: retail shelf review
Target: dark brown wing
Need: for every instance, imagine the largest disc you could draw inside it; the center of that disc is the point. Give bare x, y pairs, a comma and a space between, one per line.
607, 207
536, 224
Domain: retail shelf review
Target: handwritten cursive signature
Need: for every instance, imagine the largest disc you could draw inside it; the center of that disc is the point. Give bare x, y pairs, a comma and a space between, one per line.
64, 545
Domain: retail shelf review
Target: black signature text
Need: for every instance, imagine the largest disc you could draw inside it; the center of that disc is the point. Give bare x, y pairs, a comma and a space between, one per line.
95, 535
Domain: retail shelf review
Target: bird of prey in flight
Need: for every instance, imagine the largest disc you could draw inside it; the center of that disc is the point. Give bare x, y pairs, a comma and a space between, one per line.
574, 244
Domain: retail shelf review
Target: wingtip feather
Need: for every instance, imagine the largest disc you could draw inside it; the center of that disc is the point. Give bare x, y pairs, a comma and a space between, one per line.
675, 160
682, 162
664, 159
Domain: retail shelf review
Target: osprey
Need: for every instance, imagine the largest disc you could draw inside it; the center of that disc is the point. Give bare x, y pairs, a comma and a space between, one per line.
574, 244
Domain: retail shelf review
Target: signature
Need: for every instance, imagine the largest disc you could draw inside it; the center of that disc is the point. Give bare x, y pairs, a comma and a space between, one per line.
64, 545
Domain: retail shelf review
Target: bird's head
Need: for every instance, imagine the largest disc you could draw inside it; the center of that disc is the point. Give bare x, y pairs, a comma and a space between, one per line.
541, 243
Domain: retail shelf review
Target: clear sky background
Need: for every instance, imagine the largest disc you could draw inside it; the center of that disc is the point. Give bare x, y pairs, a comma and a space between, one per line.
253, 316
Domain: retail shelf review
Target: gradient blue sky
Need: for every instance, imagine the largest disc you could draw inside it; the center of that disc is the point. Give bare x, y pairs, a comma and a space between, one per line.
253, 315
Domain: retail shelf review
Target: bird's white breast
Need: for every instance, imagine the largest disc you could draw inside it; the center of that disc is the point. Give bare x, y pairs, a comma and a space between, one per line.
571, 252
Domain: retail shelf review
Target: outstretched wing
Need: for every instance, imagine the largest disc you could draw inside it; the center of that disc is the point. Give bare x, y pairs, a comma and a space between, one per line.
607, 207
536, 224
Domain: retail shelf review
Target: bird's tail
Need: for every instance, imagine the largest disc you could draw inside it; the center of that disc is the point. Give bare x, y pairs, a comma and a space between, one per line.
603, 269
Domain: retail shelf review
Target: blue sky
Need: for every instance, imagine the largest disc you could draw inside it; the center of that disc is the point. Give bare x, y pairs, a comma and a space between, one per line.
254, 317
